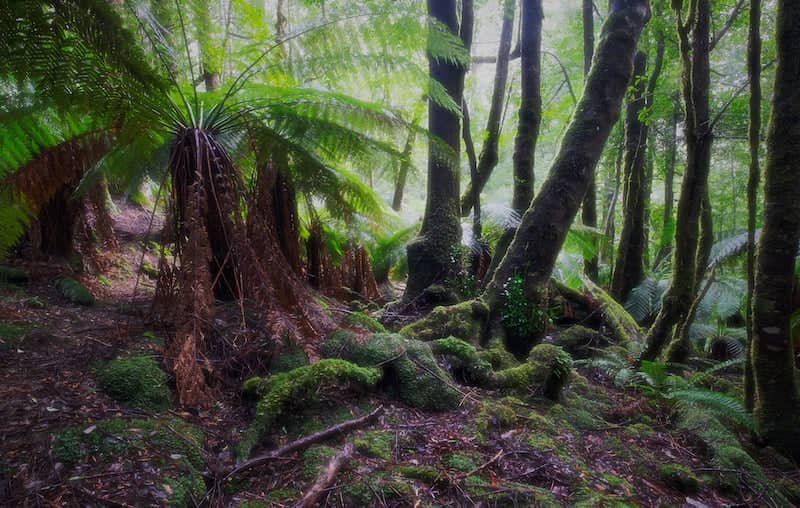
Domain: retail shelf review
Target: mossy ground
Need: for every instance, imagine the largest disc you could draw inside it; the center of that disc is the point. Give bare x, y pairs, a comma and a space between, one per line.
135, 380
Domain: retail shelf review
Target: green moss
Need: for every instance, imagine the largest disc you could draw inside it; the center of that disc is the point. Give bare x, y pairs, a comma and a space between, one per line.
297, 387
464, 359
409, 367
10, 333
254, 504
540, 423
497, 355
358, 493
282, 495
588, 497
579, 341
541, 442
715, 383
74, 291
149, 270
289, 359
679, 477
136, 380
378, 444
547, 370
509, 494
640, 430
187, 490
365, 321
790, 490
464, 321
314, 459
461, 462
427, 474
496, 415
13, 275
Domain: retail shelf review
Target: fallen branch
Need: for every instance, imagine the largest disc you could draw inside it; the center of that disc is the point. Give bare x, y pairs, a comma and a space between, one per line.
327, 477
305, 442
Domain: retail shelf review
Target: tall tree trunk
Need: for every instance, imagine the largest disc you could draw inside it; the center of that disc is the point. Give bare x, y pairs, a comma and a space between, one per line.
530, 117
754, 138
544, 227
696, 79
489, 155
405, 167
667, 227
629, 268
430, 255
530, 109
612, 197
210, 64
589, 211
706, 240
777, 404
57, 220
469, 147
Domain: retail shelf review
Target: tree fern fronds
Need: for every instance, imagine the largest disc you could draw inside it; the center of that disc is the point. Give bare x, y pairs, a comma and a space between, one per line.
729, 248
722, 405
725, 365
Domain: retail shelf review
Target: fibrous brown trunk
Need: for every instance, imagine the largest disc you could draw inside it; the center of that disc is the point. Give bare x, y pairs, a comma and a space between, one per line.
430, 255
777, 402
754, 135
489, 155
629, 268
589, 211
694, 48
544, 227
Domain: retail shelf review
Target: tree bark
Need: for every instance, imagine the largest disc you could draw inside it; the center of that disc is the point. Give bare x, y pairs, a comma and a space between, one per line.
629, 268
489, 155
777, 405
754, 138
696, 79
589, 211
543, 229
405, 167
430, 255
669, 192
209, 54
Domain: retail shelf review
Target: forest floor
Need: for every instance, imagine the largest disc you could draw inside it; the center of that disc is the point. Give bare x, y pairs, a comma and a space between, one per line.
65, 442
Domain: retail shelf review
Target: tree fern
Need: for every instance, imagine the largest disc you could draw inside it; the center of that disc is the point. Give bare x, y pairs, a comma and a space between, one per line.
720, 404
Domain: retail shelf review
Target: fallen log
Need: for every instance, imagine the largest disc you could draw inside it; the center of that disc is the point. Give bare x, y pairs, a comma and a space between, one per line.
326, 479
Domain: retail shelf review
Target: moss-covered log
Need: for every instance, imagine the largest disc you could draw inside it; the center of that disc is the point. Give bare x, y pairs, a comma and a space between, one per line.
544, 226
465, 321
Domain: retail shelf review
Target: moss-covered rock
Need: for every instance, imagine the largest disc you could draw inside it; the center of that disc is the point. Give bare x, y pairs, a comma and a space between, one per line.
500, 415
297, 387
680, 477
10, 333
135, 380
580, 341
378, 444
464, 321
546, 371
74, 291
496, 354
464, 360
13, 275
365, 321
409, 367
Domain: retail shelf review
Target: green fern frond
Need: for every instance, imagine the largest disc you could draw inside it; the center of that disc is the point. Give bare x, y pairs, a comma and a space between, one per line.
720, 404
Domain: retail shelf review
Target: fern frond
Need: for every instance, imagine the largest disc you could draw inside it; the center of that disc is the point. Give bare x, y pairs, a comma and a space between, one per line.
720, 404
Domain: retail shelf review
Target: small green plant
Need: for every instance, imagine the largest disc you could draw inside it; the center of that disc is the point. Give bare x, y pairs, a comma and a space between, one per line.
521, 316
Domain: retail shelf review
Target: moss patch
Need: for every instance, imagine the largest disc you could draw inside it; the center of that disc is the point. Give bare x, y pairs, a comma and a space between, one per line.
136, 380
461, 462
289, 359
186, 490
463, 321
679, 477
427, 474
547, 369
74, 291
497, 355
314, 459
498, 415
10, 333
580, 341
376, 444
365, 321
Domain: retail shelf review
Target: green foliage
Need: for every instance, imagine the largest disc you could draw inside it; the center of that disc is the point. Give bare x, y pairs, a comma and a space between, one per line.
187, 490
385, 251
378, 444
521, 316
463, 321
74, 291
288, 359
680, 477
296, 387
135, 380
365, 321
427, 474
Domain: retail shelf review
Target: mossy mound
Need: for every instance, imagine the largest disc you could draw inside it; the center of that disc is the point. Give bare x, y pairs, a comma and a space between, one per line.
10, 333
580, 341
716, 383
464, 321
13, 275
74, 291
377, 444
365, 321
136, 380
547, 370
680, 477
465, 360
427, 474
295, 387
500, 415
409, 367
496, 354
174, 446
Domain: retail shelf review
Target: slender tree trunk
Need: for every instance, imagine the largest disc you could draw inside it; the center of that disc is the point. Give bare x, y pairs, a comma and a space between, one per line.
706, 240
544, 227
754, 135
667, 231
405, 167
430, 255
589, 211
629, 268
612, 197
489, 155
696, 79
777, 404
209, 53
469, 147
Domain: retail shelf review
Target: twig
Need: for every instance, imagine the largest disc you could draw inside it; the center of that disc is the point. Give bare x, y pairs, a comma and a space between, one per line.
327, 478
305, 442
484, 465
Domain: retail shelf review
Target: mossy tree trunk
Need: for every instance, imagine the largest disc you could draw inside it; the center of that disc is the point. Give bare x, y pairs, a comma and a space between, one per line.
629, 268
489, 155
694, 41
754, 138
665, 245
777, 405
405, 167
210, 63
589, 210
431, 254
543, 229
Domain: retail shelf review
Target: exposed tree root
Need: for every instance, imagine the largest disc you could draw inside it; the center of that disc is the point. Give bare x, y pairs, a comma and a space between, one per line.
327, 478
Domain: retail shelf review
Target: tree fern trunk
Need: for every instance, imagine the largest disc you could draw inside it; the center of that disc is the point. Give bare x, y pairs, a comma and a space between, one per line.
777, 405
